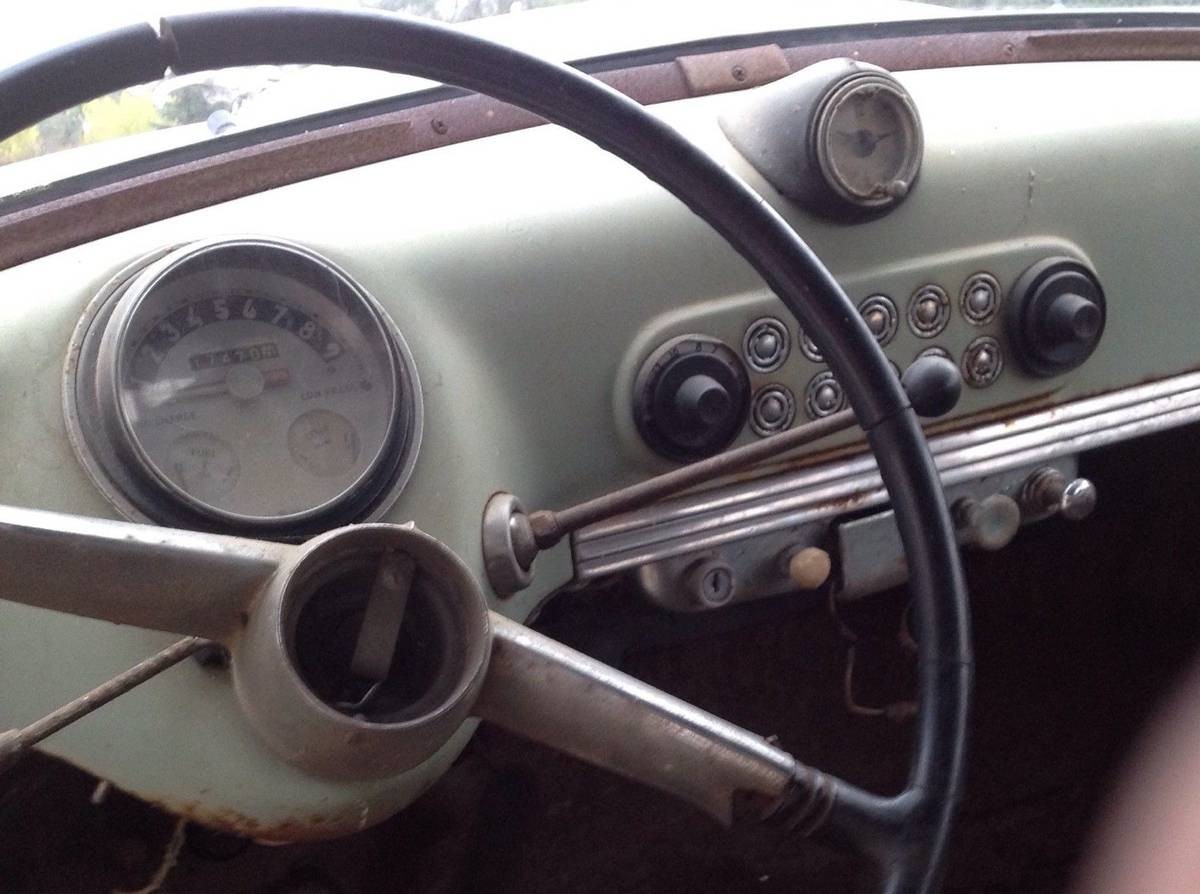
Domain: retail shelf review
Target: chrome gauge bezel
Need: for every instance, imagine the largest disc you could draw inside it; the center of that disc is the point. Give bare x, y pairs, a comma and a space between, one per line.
820, 138
113, 455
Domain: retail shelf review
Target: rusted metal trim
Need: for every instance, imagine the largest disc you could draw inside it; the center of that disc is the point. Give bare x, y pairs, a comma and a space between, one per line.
60, 223
733, 70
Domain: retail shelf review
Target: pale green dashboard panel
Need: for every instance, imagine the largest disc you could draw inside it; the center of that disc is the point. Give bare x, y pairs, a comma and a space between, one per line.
531, 274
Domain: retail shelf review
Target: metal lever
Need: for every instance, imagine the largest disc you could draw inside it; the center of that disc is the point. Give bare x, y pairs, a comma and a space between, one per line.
15, 742
513, 538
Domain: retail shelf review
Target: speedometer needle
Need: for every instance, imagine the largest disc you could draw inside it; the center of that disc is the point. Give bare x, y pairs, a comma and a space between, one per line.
244, 382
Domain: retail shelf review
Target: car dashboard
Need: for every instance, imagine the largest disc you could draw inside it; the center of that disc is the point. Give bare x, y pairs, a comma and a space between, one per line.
514, 302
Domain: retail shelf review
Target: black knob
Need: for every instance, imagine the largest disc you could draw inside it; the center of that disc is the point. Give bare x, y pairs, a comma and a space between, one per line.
691, 398
1071, 318
1056, 316
702, 401
933, 385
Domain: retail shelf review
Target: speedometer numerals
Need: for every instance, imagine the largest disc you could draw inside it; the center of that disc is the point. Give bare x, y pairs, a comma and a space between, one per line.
247, 385
202, 312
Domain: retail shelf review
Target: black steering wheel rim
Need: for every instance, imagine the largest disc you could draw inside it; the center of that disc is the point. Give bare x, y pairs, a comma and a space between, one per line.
906, 834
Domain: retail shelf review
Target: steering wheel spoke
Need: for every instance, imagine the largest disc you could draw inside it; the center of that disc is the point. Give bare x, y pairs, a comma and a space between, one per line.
158, 578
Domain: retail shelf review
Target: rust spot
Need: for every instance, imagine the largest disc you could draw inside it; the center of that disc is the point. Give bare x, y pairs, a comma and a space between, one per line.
306, 827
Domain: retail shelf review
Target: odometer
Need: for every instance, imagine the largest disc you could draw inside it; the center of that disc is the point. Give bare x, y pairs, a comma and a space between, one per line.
248, 383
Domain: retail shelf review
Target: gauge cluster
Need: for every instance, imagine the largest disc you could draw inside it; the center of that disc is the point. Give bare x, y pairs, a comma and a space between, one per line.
245, 385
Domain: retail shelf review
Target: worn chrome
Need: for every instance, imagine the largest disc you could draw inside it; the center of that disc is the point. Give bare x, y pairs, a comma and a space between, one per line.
507, 563
982, 362
809, 348
545, 691
1049, 491
928, 311
880, 315
766, 344
772, 410
979, 298
699, 522
824, 396
1078, 500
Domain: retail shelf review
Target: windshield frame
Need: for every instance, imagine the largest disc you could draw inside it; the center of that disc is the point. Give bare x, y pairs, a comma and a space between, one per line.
1110, 35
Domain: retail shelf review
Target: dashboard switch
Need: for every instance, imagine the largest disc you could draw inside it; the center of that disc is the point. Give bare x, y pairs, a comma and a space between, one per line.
933, 385
808, 568
990, 523
691, 398
701, 401
1048, 491
1057, 316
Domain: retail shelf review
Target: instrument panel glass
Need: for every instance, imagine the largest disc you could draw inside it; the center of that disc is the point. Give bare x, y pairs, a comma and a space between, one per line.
253, 383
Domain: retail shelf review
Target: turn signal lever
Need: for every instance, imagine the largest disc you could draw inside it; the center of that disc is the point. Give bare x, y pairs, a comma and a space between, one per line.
512, 538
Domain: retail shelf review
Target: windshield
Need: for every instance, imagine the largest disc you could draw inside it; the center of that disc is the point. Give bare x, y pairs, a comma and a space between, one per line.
181, 110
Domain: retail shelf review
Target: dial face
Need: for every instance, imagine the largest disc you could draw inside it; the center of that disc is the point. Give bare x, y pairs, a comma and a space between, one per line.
256, 393
869, 142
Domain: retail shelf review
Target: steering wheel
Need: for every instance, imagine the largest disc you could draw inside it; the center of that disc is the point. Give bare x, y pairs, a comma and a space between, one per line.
245, 593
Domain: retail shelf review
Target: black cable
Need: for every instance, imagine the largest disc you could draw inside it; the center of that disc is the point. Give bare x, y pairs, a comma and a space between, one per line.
53, 82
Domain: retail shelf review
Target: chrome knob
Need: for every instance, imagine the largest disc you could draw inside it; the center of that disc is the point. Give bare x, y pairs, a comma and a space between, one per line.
990, 523
1078, 500
1047, 491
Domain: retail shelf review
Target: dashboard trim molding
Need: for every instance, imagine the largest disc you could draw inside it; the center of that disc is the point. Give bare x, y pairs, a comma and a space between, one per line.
735, 512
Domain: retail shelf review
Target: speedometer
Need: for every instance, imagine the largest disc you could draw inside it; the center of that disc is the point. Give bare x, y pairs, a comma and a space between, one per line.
246, 384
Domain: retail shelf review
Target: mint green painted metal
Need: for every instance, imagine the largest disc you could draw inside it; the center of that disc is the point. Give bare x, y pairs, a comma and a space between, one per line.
530, 274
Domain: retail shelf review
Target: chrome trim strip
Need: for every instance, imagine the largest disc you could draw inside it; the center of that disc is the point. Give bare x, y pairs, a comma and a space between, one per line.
705, 520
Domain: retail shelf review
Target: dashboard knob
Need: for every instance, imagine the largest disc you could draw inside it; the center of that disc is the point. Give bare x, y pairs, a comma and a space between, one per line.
691, 397
1047, 491
933, 385
1057, 316
808, 568
701, 401
1072, 318
990, 523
